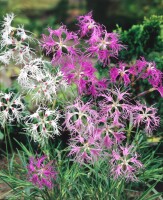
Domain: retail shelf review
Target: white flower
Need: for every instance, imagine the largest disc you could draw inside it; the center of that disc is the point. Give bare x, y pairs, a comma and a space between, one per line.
22, 53
35, 68
36, 79
43, 124
7, 22
15, 40
6, 56
23, 34
6, 39
6, 30
11, 108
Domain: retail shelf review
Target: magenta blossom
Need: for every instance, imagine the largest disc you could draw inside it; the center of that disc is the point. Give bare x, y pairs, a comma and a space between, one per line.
120, 73
87, 25
105, 46
147, 70
60, 42
125, 163
138, 67
116, 106
41, 174
80, 70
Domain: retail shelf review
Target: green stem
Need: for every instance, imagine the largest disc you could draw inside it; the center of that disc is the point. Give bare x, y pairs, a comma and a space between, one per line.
9, 139
6, 145
145, 92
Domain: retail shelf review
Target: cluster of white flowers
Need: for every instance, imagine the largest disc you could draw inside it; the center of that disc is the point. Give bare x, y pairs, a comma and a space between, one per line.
39, 82
35, 78
14, 42
43, 124
11, 108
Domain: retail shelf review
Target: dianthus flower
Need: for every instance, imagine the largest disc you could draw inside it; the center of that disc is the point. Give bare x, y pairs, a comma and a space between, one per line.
14, 42
41, 174
80, 70
146, 116
43, 124
43, 86
116, 106
35, 68
80, 117
138, 67
11, 108
125, 164
105, 46
120, 73
60, 42
147, 70
85, 148
87, 25
110, 135
6, 38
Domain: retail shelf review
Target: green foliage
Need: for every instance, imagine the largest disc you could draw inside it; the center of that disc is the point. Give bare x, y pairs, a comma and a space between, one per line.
1, 135
144, 39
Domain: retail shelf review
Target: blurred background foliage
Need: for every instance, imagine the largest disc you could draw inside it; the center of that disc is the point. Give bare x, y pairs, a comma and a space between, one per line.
38, 14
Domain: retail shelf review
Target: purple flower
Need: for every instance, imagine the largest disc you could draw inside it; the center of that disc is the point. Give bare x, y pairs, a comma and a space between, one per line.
41, 174
87, 25
120, 72
146, 116
124, 163
105, 46
85, 148
80, 117
60, 42
115, 106
80, 70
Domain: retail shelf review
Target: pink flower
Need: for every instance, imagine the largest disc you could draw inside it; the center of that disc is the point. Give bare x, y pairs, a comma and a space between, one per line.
80, 70
146, 116
105, 46
41, 174
120, 72
80, 117
85, 148
109, 136
153, 75
60, 42
87, 25
124, 163
138, 67
116, 106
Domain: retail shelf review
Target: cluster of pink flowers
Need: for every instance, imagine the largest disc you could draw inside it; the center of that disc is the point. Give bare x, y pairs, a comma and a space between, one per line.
98, 127
142, 69
98, 130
